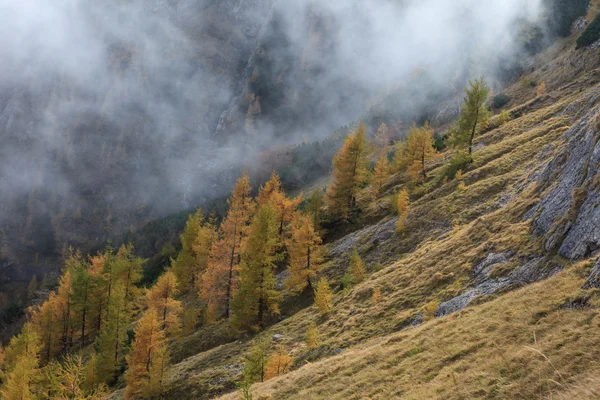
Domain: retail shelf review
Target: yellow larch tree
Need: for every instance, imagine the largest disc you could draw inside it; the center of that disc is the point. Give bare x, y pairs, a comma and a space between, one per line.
185, 266
402, 207
305, 255
272, 193
357, 268
162, 299
416, 152
350, 172
382, 139
21, 365
323, 297
381, 174
148, 353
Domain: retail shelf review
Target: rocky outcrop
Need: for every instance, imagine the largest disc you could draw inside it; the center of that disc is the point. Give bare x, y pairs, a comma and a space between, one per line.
593, 281
529, 272
568, 216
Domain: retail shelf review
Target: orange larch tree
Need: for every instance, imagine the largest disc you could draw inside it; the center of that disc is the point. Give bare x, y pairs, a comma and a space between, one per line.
221, 279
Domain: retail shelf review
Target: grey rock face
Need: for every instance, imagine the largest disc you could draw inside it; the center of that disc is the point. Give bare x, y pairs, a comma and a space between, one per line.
593, 281
532, 271
568, 216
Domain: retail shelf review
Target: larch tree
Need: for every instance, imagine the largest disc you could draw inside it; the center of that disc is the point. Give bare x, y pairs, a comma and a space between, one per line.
350, 172
272, 193
256, 361
474, 114
19, 384
21, 366
314, 208
129, 271
81, 296
357, 268
382, 139
220, 282
70, 377
305, 255
111, 338
162, 299
147, 356
63, 310
184, 266
323, 297
48, 329
278, 363
418, 151
381, 174
402, 208
258, 295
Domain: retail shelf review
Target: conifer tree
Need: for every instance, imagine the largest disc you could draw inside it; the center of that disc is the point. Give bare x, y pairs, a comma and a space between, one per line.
63, 311
221, 280
129, 271
350, 172
314, 208
402, 208
98, 290
474, 114
258, 295
21, 365
81, 289
357, 267
26, 342
161, 299
147, 359
47, 328
256, 361
70, 376
417, 151
306, 255
272, 193
381, 174
382, 139
20, 380
323, 297
109, 343
184, 266
278, 363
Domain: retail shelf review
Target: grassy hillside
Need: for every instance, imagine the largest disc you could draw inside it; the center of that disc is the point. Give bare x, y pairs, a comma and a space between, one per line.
518, 340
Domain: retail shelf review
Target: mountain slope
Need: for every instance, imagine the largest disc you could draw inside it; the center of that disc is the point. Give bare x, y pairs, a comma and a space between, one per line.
462, 247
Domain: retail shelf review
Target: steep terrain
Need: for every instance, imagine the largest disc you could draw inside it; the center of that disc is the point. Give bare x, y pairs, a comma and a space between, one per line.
488, 291
460, 313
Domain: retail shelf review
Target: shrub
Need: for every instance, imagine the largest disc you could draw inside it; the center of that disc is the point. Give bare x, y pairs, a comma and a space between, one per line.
591, 33
459, 161
500, 100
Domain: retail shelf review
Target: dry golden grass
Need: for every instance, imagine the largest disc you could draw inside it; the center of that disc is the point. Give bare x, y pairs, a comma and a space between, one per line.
522, 345
518, 345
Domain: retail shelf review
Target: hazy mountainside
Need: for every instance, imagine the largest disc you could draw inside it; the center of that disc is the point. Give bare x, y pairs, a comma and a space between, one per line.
123, 111
446, 323
100, 135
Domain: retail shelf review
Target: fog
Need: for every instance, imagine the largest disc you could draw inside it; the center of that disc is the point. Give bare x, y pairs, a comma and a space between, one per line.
111, 112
